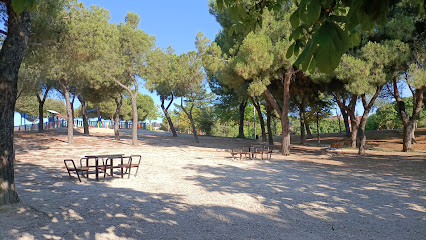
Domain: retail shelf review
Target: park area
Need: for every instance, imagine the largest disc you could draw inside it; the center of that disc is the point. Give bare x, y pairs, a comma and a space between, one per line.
188, 190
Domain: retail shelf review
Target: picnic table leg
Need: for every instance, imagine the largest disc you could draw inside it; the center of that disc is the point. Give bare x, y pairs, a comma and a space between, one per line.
121, 167
87, 165
112, 164
96, 169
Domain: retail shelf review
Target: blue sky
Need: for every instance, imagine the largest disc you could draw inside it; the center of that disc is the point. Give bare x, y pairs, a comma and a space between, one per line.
173, 23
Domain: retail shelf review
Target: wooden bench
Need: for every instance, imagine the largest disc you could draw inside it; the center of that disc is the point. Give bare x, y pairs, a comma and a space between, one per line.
74, 168
240, 152
265, 151
337, 144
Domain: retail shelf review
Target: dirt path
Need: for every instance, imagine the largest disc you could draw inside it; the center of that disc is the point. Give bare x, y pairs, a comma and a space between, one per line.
197, 191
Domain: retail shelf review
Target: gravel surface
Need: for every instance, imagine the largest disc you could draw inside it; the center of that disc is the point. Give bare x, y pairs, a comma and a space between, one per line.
186, 190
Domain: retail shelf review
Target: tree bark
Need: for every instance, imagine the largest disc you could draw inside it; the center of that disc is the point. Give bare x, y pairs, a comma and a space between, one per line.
308, 130
72, 108
166, 113
346, 122
70, 118
361, 134
134, 106
85, 117
11, 55
242, 108
302, 122
286, 106
350, 109
412, 134
117, 116
134, 120
285, 123
409, 122
361, 129
342, 106
261, 120
189, 114
318, 130
40, 109
268, 124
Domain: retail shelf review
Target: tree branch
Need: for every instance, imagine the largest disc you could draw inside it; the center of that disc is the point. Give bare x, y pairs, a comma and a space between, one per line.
271, 99
419, 101
123, 86
396, 92
370, 104
364, 101
3, 32
170, 102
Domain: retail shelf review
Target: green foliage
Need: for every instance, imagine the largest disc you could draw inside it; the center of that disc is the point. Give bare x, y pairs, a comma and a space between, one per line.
254, 56
254, 59
324, 29
387, 116
416, 76
386, 59
206, 120
376, 64
20, 5
225, 129
29, 104
56, 105
145, 105
372, 123
326, 125
159, 74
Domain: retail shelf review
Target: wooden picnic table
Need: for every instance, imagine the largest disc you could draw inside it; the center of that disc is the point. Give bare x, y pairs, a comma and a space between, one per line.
104, 166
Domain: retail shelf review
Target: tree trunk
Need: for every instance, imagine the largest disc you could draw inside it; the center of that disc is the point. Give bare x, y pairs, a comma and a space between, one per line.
406, 137
302, 122
308, 130
72, 108
70, 118
346, 122
169, 119
241, 122
134, 120
133, 96
261, 120
268, 124
189, 114
194, 131
318, 131
11, 54
342, 106
117, 116
361, 129
285, 123
354, 131
350, 110
361, 134
40, 114
85, 117
412, 134
40, 109
409, 123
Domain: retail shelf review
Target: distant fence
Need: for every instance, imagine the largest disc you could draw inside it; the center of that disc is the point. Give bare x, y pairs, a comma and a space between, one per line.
77, 124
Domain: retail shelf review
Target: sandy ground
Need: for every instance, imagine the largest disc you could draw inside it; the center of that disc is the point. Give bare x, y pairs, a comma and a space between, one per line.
186, 190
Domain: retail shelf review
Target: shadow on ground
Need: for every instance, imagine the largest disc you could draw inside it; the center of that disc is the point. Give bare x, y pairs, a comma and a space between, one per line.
297, 201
